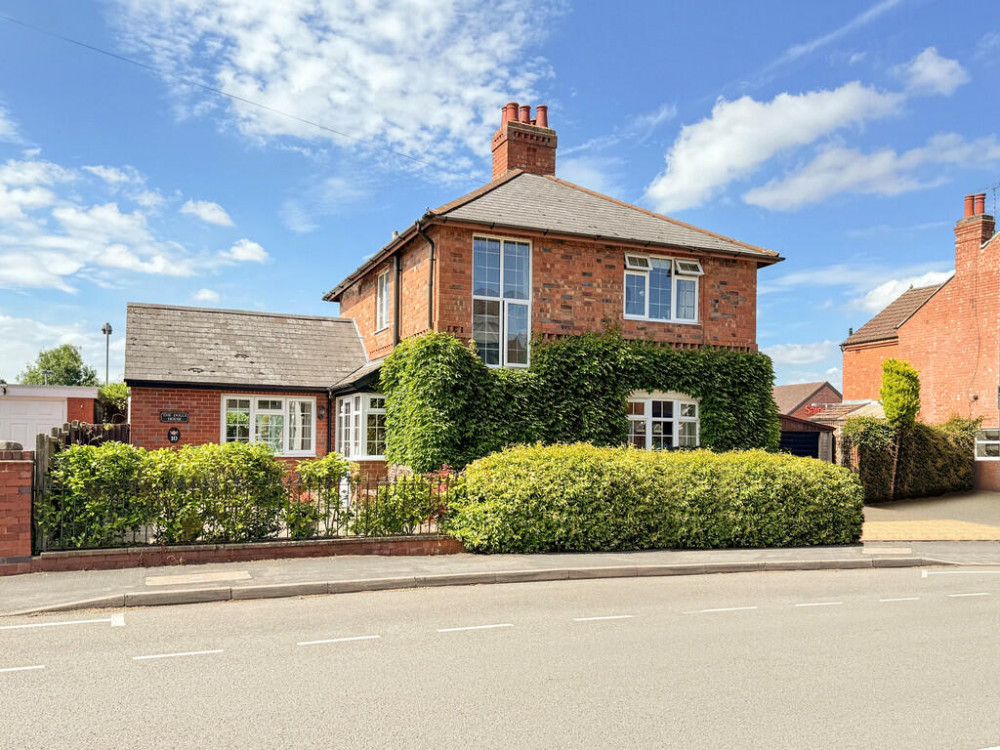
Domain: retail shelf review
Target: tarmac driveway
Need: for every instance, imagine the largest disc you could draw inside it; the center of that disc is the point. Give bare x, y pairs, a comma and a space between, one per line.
956, 517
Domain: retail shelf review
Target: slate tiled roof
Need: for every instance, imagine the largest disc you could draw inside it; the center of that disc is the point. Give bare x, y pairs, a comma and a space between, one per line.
791, 397
884, 326
521, 200
366, 374
189, 345
836, 414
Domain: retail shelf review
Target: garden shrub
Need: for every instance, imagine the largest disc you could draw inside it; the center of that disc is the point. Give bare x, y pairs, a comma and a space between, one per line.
320, 499
933, 459
93, 499
444, 406
409, 504
580, 497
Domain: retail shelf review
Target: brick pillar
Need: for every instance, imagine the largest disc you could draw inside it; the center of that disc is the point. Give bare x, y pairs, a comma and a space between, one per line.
15, 511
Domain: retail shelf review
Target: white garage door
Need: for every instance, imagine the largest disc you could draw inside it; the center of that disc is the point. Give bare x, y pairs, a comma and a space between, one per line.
23, 418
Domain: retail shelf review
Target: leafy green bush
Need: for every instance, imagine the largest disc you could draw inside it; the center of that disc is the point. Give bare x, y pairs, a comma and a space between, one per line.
93, 500
585, 498
319, 501
444, 406
932, 459
407, 505
900, 393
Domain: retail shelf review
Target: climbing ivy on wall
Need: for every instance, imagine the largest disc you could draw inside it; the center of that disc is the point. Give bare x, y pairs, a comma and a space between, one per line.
444, 406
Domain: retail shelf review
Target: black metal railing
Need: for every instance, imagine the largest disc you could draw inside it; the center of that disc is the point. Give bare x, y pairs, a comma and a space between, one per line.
230, 508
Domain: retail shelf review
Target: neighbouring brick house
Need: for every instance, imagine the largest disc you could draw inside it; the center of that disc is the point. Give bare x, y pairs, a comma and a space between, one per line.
526, 256
948, 332
796, 404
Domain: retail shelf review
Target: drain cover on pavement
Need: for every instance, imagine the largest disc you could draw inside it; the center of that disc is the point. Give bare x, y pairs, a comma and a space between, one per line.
234, 575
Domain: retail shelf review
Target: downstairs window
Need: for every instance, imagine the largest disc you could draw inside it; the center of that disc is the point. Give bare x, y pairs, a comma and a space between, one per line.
286, 423
663, 421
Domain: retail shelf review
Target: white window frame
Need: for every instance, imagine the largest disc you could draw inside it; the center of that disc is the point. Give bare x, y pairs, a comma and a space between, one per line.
505, 303
285, 400
382, 301
678, 400
352, 425
987, 440
692, 271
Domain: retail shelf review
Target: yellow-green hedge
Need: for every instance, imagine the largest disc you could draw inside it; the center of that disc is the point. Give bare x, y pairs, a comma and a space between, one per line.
579, 497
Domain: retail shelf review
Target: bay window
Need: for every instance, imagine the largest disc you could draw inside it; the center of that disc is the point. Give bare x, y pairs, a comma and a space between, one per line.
285, 423
662, 421
661, 288
501, 301
361, 426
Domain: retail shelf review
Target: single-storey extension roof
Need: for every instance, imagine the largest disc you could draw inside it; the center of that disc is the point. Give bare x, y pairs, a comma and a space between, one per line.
200, 346
544, 203
837, 414
792, 397
884, 326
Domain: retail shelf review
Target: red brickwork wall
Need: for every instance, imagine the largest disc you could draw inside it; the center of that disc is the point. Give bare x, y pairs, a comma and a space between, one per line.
15, 511
863, 370
80, 410
577, 287
204, 408
518, 145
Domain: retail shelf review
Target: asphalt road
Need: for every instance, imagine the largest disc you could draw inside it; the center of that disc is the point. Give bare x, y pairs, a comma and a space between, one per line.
850, 659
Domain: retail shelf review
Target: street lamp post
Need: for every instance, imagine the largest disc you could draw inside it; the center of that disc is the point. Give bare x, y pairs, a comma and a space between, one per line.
45, 376
106, 330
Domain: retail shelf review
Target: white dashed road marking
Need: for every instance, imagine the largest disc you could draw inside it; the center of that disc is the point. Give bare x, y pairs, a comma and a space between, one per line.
606, 617
719, 609
22, 669
902, 599
477, 627
818, 604
56, 624
179, 653
340, 640
980, 593
118, 620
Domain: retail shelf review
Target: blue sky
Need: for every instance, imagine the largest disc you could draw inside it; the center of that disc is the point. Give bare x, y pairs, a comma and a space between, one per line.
843, 135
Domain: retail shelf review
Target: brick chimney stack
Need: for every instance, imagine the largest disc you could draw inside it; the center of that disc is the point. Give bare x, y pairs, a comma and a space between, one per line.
972, 231
523, 142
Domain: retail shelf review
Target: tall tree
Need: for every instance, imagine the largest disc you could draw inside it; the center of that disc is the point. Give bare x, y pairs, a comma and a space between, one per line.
66, 364
900, 395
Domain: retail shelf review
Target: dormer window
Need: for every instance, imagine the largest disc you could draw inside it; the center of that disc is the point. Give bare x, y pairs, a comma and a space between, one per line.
661, 288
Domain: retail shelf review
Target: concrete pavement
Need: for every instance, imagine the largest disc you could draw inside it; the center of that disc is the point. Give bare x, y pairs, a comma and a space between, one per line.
955, 517
38, 592
885, 658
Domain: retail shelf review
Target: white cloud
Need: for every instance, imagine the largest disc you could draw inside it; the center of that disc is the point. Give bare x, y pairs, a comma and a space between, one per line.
741, 135
207, 211
856, 277
801, 354
8, 130
115, 175
205, 295
930, 73
856, 57
876, 299
22, 338
886, 172
245, 250
424, 77
593, 172
296, 218
637, 128
987, 46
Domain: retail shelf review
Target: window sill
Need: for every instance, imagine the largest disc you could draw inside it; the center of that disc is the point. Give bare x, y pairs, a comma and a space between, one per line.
668, 322
383, 328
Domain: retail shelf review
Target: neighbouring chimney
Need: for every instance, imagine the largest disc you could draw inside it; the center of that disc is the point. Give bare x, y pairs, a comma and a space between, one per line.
524, 143
972, 231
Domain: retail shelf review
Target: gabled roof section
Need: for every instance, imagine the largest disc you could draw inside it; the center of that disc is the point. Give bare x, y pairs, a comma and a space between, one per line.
544, 203
199, 346
789, 398
884, 326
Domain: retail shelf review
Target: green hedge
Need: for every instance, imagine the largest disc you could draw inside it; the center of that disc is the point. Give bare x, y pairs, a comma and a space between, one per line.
933, 459
444, 407
564, 498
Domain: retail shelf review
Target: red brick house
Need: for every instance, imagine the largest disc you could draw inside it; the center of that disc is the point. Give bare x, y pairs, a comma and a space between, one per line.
802, 400
948, 332
527, 256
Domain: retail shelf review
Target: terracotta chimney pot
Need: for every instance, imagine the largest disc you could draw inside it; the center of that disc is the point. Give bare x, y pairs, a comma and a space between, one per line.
510, 112
526, 113
980, 203
969, 209
542, 116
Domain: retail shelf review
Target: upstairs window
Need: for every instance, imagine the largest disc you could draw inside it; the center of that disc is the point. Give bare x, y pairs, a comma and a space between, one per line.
661, 288
382, 301
662, 421
501, 301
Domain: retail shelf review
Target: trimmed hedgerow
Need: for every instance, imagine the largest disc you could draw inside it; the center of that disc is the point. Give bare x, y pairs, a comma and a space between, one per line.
933, 459
580, 497
444, 406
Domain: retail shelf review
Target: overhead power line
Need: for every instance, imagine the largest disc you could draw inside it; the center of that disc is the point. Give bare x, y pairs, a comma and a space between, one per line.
204, 86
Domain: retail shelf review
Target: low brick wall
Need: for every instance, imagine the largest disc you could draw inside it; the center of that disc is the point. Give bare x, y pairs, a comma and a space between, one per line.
16, 469
149, 557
